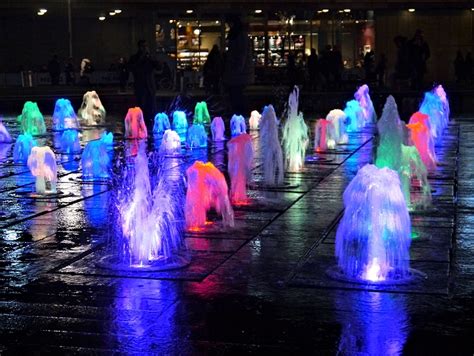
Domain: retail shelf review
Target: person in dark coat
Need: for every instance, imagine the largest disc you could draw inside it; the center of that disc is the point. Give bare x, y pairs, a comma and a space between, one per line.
313, 69
212, 70
238, 67
123, 73
69, 72
54, 70
143, 66
419, 54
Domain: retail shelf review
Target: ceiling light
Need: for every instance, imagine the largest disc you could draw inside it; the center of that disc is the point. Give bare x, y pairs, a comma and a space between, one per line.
189, 11
118, 11
411, 10
347, 10
112, 13
197, 31
325, 10
101, 18
258, 11
217, 22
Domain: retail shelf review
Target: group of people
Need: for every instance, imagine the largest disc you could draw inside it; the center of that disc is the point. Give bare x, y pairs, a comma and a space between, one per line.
326, 68
463, 67
411, 59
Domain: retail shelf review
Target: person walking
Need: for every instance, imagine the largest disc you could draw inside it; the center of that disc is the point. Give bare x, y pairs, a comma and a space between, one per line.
238, 67
212, 71
143, 66
313, 69
123, 73
54, 70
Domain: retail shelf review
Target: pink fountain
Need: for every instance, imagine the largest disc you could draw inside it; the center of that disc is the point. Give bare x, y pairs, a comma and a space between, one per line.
420, 136
218, 129
207, 189
135, 127
240, 167
42, 165
324, 136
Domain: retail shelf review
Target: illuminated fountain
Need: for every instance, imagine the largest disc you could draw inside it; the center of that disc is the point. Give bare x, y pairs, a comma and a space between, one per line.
237, 125
363, 97
240, 166
295, 135
22, 149
391, 137
91, 112
95, 161
197, 136
207, 189
374, 235
42, 165
254, 120
412, 169
355, 116
324, 135
420, 136
161, 124
180, 124
108, 139
135, 127
4, 134
171, 143
201, 114
272, 155
218, 129
64, 116
149, 220
338, 119
31, 120
441, 93
433, 107
69, 142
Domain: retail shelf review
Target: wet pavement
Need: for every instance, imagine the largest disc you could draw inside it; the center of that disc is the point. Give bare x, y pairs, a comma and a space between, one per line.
260, 287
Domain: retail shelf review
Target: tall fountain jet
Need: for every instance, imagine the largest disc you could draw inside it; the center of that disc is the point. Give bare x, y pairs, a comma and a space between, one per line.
295, 135
441, 93
180, 124
42, 165
240, 166
4, 134
161, 124
91, 112
374, 235
254, 120
95, 161
338, 119
135, 127
391, 136
64, 116
149, 220
201, 114
207, 189
272, 155
217, 129
31, 120
237, 125
22, 149
363, 97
